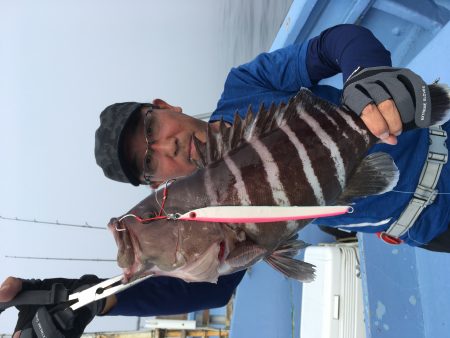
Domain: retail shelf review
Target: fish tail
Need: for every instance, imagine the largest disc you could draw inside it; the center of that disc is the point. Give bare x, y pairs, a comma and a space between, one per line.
282, 260
440, 103
376, 174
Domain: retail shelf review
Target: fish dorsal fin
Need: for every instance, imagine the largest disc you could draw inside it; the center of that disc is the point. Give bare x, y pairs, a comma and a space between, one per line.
243, 130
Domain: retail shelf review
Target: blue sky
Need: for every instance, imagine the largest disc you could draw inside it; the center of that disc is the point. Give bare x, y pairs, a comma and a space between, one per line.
62, 62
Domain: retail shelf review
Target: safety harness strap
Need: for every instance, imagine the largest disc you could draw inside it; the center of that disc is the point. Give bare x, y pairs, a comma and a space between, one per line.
425, 193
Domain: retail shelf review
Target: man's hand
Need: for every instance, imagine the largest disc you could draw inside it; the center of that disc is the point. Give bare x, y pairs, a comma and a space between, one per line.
388, 100
12, 286
383, 120
8, 290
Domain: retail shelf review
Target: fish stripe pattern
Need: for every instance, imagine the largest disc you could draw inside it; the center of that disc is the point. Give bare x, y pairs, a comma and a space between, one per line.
307, 167
355, 137
239, 184
209, 188
328, 142
272, 172
351, 123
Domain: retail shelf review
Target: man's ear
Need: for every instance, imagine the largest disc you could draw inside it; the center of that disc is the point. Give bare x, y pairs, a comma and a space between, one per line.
164, 105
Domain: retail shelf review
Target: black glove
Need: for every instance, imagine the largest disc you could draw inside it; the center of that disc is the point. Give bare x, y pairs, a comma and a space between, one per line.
57, 321
409, 92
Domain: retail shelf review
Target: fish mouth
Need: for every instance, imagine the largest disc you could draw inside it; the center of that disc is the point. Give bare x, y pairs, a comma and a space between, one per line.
126, 243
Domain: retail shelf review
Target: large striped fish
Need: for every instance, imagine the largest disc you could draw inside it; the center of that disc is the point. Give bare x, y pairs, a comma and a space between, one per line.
306, 153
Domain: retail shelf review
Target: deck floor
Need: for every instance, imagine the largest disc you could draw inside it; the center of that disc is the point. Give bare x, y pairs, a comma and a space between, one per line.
407, 290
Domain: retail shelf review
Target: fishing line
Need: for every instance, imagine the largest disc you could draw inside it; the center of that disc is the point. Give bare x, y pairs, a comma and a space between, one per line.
63, 259
86, 225
157, 216
161, 205
412, 239
412, 192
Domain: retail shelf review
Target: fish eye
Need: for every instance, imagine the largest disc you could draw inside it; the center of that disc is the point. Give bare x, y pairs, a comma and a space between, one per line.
148, 217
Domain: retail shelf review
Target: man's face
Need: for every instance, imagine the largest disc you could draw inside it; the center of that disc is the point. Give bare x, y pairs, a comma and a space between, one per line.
170, 143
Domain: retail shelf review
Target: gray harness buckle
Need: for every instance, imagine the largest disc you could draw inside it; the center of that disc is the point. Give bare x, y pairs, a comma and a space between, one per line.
425, 193
437, 151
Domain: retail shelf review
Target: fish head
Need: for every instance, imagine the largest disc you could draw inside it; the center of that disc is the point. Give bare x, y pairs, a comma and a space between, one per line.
190, 250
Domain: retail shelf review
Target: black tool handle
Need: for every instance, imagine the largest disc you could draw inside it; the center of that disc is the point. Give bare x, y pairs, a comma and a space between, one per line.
57, 294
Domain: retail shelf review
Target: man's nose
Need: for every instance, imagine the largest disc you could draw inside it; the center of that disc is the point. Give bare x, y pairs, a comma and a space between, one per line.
165, 147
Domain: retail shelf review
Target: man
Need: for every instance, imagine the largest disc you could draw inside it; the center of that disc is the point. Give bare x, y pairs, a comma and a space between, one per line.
128, 154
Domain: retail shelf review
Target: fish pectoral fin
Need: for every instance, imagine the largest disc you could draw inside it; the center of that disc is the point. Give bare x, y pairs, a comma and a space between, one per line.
290, 247
292, 268
245, 254
282, 259
376, 174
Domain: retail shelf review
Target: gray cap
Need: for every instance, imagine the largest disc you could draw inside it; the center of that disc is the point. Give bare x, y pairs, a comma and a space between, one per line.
108, 141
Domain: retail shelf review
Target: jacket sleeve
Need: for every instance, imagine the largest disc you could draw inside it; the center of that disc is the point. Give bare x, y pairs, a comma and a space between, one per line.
341, 49
280, 74
168, 295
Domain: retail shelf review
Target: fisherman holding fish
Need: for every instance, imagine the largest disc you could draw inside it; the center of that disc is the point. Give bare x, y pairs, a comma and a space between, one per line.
151, 143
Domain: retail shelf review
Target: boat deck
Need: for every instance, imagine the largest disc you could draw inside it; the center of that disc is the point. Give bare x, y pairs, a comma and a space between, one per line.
406, 290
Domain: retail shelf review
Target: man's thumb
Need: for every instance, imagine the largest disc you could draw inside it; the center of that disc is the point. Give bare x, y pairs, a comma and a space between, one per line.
9, 289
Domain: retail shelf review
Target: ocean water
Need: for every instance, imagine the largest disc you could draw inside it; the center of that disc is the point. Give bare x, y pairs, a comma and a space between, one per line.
249, 27
240, 30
